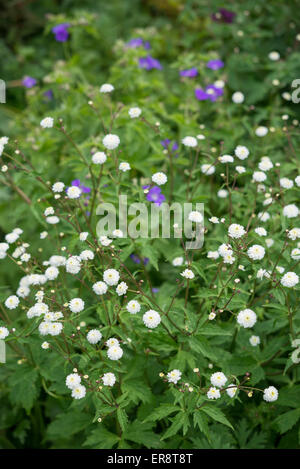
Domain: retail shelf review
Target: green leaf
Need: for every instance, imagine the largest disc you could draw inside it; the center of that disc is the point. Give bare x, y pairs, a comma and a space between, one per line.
161, 412
216, 414
286, 421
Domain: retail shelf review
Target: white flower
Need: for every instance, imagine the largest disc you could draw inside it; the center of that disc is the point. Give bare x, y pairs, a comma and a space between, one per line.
52, 220
45, 345
280, 269
133, 307
23, 292
3, 332
208, 169
83, 236
174, 376
259, 176
111, 141
222, 193
212, 254
108, 379
73, 265
73, 380
187, 273
267, 201
274, 56
214, 220
225, 249
58, 187
213, 393
134, 112
189, 141
12, 302
118, 233
254, 340
211, 316
256, 252
105, 241
57, 261
261, 273
111, 277
218, 379
231, 390
290, 211
43, 235
260, 231
246, 318
295, 254
86, 255
241, 152
261, 131
159, 178
265, 164
290, 279
115, 352
100, 288
270, 394
55, 328
286, 183
240, 169
47, 122
263, 216
124, 166
76, 305
195, 216
177, 261
52, 273
43, 327
112, 342
11, 237
106, 88
73, 192
94, 336
294, 233
228, 259
99, 157
49, 211
122, 288
238, 97
78, 392
226, 159
151, 319
236, 231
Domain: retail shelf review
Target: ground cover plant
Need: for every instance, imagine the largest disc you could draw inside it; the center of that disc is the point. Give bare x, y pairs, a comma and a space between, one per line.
115, 339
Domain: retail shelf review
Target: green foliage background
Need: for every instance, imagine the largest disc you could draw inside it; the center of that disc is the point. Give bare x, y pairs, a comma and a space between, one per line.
35, 408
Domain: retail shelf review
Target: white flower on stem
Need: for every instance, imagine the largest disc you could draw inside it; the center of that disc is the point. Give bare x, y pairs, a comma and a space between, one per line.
112, 342
47, 122
256, 252
259, 176
49, 211
294, 233
11, 237
124, 166
241, 152
211, 316
52, 273
265, 164
189, 141
290, 211
213, 393
78, 392
122, 288
105, 241
52, 220
174, 376
297, 180
55, 328
270, 394
260, 231
76, 305
118, 233
240, 169
58, 187
218, 379
111, 277
73, 380
290, 279
100, 288
222, 193
12, 302
83, 236
74, 192
195, 216
236, 231
99, 157
115, 352
177, 261
151, 319
295, 254
111, 141
212, 254
106, 88
159, 178
226, 159
187, 273
3, 332
225, 249
261, 131
228, 259
274, 56
108, 379
246, 318
45, 345
254, 340
263, 216
94, 336
73, 265
87, 255
208, 169
134, 112
286, 183
238, 97
133, 307
231, 390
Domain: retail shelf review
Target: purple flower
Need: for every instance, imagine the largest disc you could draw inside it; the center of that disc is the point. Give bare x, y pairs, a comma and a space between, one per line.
211, 93
165, 143
49, 94
155, 290
149, 63
138, 42
154, 195
224, 16
29, 82
215, 64
61, 32
190, 73
136, 259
